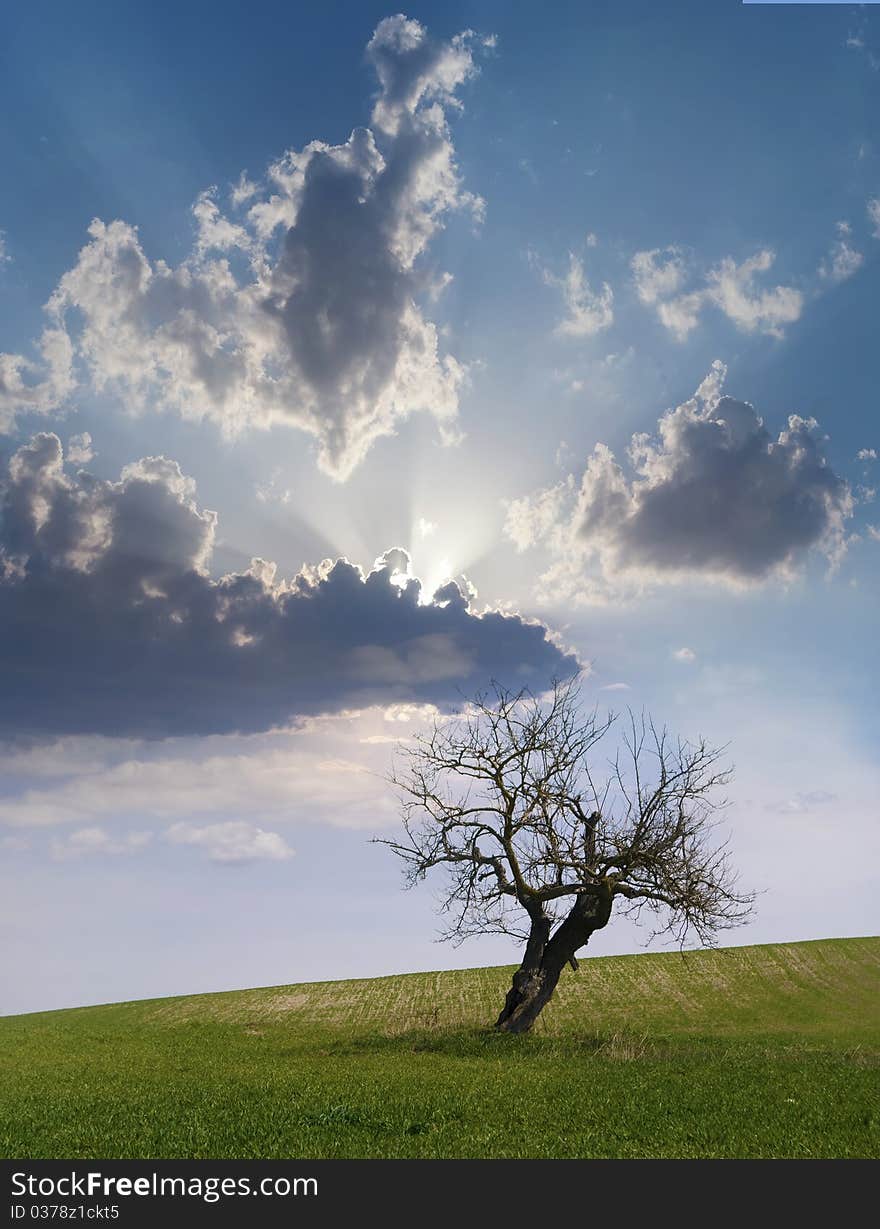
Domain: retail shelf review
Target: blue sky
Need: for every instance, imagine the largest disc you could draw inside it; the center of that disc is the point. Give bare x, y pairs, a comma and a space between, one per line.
543, 234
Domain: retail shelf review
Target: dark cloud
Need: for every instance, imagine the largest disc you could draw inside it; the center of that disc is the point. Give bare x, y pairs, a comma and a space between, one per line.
110, 624
714, 496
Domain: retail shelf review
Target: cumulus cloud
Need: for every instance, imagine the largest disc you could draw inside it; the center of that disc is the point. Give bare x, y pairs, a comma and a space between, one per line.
304, 306
660, 273
588, 311
110, 622
712, 496
234, 841
80, 450
684, 655
866, 454
4, 255
37, 385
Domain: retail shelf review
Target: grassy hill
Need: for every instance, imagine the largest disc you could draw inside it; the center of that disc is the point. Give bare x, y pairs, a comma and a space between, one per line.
751, 1051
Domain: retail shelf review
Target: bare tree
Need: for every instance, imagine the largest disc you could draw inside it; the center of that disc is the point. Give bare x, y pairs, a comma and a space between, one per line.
538, 844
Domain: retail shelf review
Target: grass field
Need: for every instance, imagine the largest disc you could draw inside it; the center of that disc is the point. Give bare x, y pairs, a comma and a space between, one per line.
766, 1051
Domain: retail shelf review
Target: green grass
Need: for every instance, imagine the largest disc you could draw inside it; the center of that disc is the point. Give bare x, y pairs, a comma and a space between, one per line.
746, 1052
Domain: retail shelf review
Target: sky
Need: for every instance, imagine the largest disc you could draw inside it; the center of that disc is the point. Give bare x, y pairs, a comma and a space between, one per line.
352, 359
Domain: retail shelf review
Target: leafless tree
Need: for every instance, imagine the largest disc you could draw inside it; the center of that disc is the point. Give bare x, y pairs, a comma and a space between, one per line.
539, 844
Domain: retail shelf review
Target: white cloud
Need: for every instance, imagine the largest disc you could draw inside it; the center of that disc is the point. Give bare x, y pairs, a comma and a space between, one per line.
80, 450
682, 315
273, 490
866, 454
804, 803
215, 233
874, 215
243, 191
730, 287
843, 260
658, 274
588, 311
534, 518
40, 385
684, 655
15, 843
324, 770
4, 255
305, 309
95, 840
856, 41
269, 779
234, 841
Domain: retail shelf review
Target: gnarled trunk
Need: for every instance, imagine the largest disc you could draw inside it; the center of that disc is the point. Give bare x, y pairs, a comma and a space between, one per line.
546, 957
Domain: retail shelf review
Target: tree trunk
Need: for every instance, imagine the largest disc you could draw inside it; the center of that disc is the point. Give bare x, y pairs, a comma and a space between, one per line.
545, 958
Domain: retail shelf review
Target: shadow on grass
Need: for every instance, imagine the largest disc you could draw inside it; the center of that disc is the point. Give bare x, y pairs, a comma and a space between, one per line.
618, 1046
487, 1043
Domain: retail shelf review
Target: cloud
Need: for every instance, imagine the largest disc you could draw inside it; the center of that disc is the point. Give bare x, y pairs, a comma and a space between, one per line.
659, 273
684, 655
79, 449
537, 517
857, 41
874, 215
95, 840
15, 843
804, 803
588, 311
843, 260
110, 622
731, 288
4, 255
39, 385
235, 841
713, 496
274, 490
328, 770
215, 233
866, 454
305, 307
